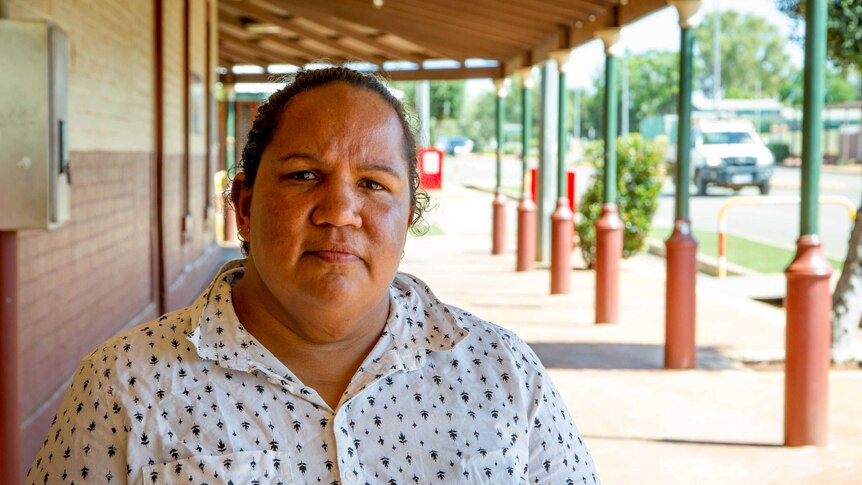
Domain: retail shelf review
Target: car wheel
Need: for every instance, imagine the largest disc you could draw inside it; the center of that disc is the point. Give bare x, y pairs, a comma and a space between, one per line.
700, 183
764, 187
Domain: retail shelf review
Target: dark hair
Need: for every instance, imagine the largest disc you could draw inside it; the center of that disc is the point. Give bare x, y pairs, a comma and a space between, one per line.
269, 114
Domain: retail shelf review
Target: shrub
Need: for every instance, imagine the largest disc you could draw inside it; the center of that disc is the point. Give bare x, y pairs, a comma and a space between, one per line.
640, 175
779, 150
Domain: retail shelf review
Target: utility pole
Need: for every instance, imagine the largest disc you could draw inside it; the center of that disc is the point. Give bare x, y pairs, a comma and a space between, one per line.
716, 60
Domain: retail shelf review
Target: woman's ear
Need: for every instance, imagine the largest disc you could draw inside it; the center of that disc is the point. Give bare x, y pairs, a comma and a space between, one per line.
240, 197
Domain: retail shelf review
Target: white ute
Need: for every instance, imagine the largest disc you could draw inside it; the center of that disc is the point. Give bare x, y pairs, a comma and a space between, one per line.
729, 153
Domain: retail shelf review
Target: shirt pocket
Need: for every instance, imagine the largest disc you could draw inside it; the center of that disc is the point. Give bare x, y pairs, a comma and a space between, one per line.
245, 467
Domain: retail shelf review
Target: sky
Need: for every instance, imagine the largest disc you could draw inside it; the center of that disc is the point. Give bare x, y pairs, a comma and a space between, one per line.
659, 31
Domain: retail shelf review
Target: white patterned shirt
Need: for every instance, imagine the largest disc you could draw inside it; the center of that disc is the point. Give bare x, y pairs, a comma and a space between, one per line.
192, 397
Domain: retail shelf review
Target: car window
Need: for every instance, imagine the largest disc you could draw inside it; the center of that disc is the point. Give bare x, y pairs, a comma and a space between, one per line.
727, 138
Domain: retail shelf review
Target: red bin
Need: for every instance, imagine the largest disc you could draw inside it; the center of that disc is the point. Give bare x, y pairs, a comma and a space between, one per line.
570, 186
430, 168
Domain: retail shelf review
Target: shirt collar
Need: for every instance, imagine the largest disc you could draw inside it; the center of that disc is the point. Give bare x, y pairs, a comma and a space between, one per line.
419, 323
217, 333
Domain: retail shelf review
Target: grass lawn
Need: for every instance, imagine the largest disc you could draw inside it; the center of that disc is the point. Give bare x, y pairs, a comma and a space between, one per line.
435, 230
754, 255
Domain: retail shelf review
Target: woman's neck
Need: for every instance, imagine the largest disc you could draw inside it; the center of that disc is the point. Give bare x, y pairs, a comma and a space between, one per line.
323, 347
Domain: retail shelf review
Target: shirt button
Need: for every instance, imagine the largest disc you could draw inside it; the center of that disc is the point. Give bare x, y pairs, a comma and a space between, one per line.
350, 477
273, 380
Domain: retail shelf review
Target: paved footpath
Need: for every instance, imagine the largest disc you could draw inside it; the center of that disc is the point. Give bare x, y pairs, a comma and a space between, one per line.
721, 423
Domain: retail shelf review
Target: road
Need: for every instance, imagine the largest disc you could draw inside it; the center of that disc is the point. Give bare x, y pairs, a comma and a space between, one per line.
778, 225
775, 224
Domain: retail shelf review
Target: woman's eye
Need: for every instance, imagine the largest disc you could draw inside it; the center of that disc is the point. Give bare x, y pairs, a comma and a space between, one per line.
370, 184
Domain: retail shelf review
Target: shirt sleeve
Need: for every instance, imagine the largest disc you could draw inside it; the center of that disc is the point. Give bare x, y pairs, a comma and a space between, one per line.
557, 452
85, 443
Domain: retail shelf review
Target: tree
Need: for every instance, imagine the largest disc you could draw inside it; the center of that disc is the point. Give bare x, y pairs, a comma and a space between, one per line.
751, 50
838, 88
653, 84
844, 48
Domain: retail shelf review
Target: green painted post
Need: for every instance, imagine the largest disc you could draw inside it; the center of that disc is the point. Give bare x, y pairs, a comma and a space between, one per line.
499, 108
526, 121
683, 139
230, 131
561, 138
610, 175
812, 115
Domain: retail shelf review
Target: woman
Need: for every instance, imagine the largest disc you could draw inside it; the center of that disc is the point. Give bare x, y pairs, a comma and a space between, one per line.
313, 360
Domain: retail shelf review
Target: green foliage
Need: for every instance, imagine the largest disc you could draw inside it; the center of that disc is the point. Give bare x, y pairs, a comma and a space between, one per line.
843, 29
639, 175
750, 48
780, 150
838, 88
653, 78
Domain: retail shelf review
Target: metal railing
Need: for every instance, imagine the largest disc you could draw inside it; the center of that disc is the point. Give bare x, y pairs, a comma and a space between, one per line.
773, 200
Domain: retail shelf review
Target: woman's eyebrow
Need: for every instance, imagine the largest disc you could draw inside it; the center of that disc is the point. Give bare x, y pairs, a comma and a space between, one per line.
368, 166
290, 156
380, 166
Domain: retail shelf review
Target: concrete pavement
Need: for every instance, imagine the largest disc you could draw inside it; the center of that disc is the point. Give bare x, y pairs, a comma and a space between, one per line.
721, 423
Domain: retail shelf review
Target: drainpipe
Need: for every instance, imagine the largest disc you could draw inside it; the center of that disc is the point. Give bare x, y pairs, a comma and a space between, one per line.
10, 366
10, 374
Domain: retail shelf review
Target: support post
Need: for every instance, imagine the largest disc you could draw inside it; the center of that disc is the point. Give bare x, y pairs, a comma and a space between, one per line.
498, 238
526, 256
680, 351
11, 467
546, 191
808, 302
230, 159
423, 107
609, 227
562, 225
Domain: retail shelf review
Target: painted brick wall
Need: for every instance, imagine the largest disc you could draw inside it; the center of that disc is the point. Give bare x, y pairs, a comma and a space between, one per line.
80, 284
71, 296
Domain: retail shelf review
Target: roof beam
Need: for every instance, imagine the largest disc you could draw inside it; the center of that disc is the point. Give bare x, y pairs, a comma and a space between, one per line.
329, 23
407, 75
506, 30
407, 28
262, 15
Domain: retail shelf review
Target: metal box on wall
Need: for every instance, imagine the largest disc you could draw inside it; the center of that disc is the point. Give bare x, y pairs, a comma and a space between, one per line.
34, 152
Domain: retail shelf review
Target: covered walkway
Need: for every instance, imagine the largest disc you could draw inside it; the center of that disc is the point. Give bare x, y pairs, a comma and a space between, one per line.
719, 423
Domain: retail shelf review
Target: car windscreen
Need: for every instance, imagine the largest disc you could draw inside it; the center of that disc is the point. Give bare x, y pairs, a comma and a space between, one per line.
727, 138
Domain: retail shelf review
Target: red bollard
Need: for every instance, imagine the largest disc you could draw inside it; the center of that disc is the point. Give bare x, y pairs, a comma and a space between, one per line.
609, 250
498, 237
680, 350
526, 235
562, 230
806, 375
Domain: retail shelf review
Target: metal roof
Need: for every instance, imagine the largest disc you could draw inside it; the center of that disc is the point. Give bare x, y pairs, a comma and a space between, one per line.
408, 39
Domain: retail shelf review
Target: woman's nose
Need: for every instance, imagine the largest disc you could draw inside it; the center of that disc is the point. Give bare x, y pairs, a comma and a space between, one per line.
338, 205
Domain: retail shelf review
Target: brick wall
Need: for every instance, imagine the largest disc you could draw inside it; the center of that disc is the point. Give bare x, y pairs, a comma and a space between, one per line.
82, 283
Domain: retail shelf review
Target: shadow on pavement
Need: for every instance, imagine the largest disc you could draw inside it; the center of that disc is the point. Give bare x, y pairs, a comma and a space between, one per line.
620, 356
683, 441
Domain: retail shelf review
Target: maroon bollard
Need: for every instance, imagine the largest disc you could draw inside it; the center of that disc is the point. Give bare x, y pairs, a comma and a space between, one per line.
526, 234
561, 247
806, 373
609, 250
498, 236
680, 350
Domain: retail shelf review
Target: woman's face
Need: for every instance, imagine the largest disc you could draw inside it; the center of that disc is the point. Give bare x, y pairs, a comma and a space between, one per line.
330, 207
